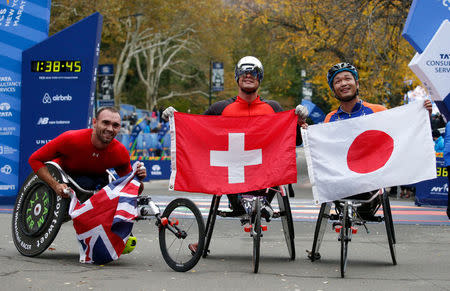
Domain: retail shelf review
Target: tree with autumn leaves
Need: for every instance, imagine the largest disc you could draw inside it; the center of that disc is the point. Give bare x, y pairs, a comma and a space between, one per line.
288, 36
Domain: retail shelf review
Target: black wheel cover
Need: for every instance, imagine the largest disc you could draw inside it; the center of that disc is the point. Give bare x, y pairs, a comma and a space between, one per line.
38, 214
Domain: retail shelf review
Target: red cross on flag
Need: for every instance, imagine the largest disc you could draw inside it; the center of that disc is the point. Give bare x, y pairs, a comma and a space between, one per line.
225, 155
389, 148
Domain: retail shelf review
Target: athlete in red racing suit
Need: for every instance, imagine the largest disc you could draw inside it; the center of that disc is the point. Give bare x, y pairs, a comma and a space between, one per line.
86, 154
249, 73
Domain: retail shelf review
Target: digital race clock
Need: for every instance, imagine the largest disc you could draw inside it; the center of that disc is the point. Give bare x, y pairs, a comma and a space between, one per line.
56, 66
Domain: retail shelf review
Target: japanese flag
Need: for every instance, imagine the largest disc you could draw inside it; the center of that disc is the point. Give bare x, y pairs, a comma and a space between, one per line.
226, 155
388, 148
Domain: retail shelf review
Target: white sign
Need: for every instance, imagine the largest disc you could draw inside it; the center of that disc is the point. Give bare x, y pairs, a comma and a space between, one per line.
432, 67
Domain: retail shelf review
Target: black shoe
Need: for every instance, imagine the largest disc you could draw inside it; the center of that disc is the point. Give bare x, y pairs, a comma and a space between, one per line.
232, 213
267, 212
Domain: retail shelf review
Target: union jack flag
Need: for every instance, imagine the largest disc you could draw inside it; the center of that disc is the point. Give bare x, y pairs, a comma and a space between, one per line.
104, 222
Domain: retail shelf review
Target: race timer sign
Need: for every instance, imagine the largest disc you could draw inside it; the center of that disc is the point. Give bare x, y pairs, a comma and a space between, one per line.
58, 86
56, 66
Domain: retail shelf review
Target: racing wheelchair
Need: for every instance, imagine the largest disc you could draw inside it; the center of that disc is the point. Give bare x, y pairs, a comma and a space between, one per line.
252, 205
39, 213
349, 213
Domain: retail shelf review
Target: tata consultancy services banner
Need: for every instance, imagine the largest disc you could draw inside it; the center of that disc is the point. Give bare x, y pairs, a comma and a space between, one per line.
22, 24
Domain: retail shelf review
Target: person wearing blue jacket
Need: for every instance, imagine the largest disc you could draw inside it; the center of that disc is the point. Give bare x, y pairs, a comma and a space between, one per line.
438, 141
447, 158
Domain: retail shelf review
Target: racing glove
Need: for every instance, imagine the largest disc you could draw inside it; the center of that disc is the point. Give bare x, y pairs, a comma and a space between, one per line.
301, 111
168, 112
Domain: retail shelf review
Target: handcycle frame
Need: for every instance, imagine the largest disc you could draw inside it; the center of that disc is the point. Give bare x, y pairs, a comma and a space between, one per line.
345, 221
254, 217
39, 213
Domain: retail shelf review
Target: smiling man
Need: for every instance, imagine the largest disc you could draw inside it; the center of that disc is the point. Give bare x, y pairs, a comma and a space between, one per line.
248, 73
86, 154
343, 80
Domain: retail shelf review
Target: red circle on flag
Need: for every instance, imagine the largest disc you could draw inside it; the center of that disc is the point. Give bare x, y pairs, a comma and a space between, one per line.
369, 151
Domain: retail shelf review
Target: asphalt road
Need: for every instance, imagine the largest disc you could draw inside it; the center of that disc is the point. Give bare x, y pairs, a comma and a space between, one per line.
423, 253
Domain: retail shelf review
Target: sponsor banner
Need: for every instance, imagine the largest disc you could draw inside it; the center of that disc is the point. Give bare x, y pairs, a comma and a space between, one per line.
22, 25
432, 67
58, 86
424, 18
217, 77
157, 170
315, 113
434, 191
105, 82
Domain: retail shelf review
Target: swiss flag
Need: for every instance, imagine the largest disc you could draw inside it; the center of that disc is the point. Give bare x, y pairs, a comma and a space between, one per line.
388, 148
225, 155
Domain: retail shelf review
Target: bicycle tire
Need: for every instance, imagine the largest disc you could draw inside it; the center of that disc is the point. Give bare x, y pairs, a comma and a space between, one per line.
389, 228
344, 240
256, 236
38, 215
190, 223
288, 224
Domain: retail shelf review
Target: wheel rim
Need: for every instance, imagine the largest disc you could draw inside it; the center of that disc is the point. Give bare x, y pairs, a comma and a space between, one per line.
36, 210
177, 247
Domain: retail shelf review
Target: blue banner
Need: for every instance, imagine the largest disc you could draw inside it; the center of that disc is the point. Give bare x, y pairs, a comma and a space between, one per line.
424, 19
217, 77
435, 191
58, 86
105, 94
315, 113
22, 25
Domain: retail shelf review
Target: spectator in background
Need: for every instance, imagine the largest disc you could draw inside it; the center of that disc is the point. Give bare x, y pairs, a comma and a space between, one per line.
447, 159
406, 191
438, 141
437, 121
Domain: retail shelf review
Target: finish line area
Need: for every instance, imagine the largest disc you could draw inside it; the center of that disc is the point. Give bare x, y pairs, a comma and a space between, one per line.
403, 212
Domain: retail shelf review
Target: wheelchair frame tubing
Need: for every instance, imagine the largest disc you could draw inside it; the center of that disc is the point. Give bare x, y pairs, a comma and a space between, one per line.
210, 223
321, 224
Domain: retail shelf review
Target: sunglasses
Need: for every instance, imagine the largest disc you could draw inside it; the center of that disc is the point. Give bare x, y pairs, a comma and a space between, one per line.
254, 71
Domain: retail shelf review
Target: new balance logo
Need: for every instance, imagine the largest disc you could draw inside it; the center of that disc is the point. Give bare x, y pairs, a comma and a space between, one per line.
42, 121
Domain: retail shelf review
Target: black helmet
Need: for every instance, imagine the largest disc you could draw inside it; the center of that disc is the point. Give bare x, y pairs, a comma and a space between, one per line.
250, 65
436, 133
339, 68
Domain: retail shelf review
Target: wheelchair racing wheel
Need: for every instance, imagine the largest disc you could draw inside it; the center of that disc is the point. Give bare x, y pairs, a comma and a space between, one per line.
256, 232
344, 237
287, 223
38, 214
185, 228
389, 227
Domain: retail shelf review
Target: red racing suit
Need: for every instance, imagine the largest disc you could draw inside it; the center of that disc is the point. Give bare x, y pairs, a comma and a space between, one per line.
237, 106
75, 153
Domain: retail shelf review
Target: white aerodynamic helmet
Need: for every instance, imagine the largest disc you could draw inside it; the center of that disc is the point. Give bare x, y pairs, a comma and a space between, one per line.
250, 65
